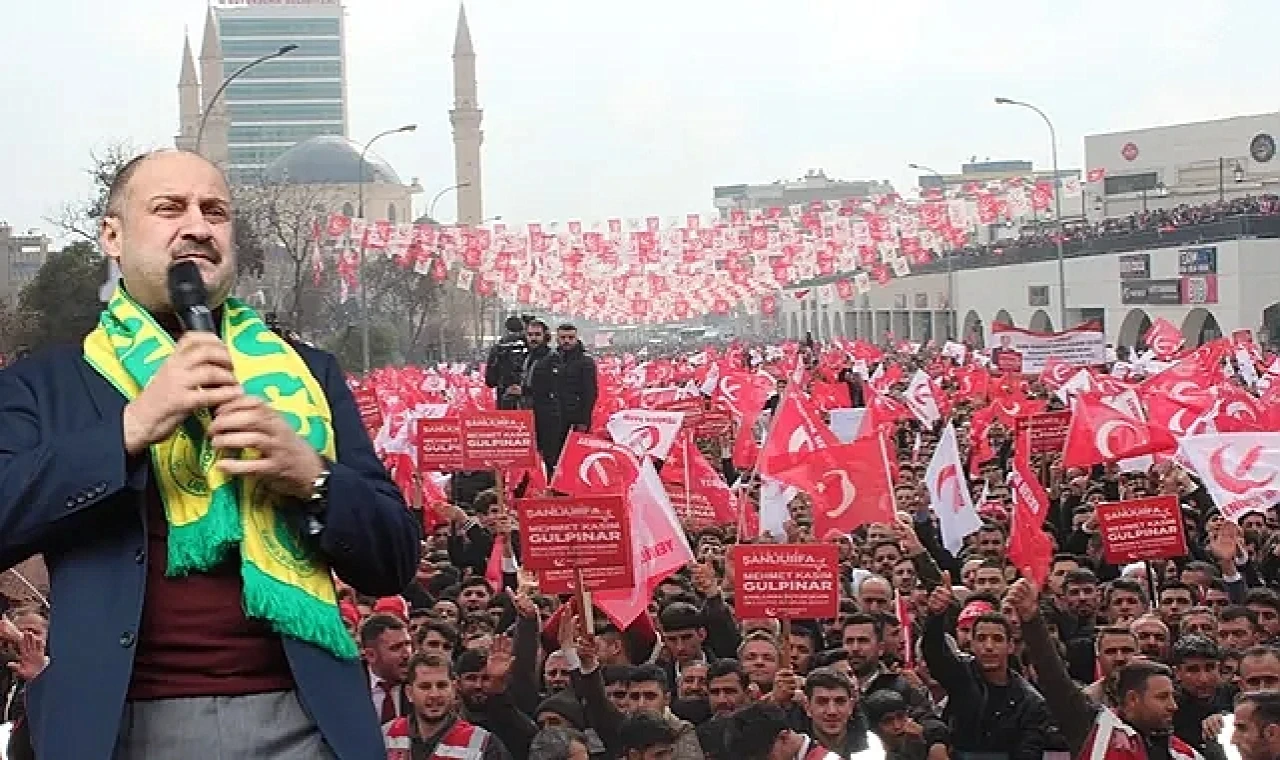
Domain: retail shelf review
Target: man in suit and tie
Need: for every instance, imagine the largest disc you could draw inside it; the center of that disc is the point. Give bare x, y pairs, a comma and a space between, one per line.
193, 495
386, 647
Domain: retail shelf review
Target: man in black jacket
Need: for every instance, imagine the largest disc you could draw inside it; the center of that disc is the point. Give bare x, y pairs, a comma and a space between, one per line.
504, 367
563, 389
990, 707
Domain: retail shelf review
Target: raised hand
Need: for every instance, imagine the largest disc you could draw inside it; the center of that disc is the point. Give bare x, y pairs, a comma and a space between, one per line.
1024, 597
498, 665
941, 596
31, 658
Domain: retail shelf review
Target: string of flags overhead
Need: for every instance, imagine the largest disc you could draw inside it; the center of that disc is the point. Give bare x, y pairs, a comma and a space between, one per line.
651, 270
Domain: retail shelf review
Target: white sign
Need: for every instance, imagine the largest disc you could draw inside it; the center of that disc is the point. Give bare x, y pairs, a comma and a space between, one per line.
1081, 346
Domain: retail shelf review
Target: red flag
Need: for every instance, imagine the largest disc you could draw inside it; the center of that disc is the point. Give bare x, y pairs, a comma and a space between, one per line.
1163, 338
659, 547
493, 570
590, 465
796, 432
1029, 548
697, 487
1100, 433
850, 485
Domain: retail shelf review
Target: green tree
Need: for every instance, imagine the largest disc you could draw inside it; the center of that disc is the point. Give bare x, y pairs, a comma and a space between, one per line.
61, 304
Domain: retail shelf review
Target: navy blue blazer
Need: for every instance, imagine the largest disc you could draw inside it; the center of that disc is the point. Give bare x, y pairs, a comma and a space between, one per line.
65, 492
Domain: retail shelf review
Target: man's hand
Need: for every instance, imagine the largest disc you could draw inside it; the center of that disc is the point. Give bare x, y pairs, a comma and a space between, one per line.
907, 538
497, 666
1226, 543
1211, 727
288, 463
513, 390
197, 375
785, 686
1024, 597
941, 596
524, 606
31, 660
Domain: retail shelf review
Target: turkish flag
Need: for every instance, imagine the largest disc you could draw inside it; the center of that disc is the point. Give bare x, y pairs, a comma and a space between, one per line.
1163, 338
797, 431
593, 466
850, 485
1101, 433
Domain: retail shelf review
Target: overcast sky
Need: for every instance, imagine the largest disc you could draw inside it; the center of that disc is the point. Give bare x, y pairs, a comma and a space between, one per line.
596, 109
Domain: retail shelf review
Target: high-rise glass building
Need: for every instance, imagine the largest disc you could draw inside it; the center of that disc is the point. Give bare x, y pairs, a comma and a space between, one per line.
279, 103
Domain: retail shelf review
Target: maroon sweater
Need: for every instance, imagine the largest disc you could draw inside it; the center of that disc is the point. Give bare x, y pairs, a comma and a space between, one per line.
195, 640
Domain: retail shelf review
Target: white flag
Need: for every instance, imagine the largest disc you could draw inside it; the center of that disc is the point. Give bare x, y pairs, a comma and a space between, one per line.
1241, 471
919, 399
949, 493
645, 431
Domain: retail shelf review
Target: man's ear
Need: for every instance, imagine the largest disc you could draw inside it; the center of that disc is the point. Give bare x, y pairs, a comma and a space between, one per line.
111, 236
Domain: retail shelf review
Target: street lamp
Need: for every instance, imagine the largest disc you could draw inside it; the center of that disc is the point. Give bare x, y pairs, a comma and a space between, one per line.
208, 107
1237, 174
364, 288
431, 207
951, 286
1057, 206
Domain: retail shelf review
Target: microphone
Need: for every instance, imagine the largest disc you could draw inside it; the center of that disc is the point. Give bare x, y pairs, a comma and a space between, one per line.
189, 298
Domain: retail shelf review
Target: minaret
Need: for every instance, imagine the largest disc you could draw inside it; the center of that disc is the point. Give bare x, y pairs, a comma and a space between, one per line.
214, 142
188, 100
465, 117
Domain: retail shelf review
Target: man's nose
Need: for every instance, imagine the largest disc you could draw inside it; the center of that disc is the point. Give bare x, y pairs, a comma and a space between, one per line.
195, 226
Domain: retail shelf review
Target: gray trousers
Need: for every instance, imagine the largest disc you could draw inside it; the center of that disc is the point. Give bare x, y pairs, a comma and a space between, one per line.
271, 726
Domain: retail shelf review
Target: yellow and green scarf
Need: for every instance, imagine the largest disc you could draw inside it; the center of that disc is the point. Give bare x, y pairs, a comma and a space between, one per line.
210, 514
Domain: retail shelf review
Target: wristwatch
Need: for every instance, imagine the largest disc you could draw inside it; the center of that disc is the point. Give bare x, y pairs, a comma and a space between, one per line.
317, 503
319, 498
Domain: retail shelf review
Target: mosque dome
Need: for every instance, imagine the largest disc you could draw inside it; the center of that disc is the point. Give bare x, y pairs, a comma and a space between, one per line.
329, 160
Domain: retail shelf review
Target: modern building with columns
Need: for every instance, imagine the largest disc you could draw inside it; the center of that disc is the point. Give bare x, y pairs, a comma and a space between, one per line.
1209, 279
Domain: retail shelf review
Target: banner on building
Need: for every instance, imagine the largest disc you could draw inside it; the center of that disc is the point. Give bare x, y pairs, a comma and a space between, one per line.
1080, 346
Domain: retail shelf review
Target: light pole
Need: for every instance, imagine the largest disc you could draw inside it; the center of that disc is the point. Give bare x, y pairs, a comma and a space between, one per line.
431, 207
1057, 206
364, 288
208, 107
951, 284
1237, 173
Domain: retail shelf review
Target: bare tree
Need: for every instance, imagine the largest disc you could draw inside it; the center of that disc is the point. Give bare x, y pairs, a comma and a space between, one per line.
79, 219
283, 217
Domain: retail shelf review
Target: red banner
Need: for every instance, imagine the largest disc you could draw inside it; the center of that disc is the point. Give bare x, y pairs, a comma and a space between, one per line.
791, 581
693, 508
591, 533
692, 408
716, 421
1048, 431
1009, 361
495, 440
370, 411
1141, 529
439, 444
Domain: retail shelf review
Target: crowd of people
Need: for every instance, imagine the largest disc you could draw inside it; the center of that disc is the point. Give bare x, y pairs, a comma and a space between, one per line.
1154, 220
935, 654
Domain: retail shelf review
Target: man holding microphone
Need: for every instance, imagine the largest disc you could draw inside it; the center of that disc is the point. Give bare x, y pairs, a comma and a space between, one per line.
193, 494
